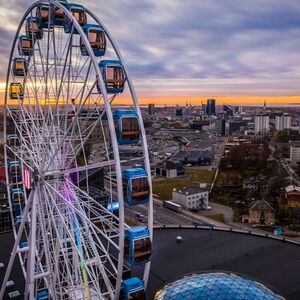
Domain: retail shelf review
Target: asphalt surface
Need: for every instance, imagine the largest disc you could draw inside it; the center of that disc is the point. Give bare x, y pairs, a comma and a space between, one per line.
161, 215
272, 262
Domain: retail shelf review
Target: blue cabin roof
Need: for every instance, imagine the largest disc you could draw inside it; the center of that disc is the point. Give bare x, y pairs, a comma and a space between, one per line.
63, 2
25, 37
43, 294
133, 173
12, 136
71, 6
17, 190
113, 206
19, 59
137, 232
23, 244
18, 218
110, 62
86, 27
133, 283
31, 19
124, 113
14, 163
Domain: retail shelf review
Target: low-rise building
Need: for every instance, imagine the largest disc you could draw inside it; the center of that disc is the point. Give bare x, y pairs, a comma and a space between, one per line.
261, 212
290, 197
201, 157
257, 184
170, 169
191, 198
294, 151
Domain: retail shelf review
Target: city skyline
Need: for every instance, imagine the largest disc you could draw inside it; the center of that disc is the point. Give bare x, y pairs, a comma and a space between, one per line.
238, 53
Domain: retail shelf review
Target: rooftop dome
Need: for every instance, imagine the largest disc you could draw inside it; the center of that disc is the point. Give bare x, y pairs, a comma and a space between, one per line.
216, 286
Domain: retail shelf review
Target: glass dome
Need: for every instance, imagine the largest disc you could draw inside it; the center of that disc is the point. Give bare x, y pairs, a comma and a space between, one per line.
215, 286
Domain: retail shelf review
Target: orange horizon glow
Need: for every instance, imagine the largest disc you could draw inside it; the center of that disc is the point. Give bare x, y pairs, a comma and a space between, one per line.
164, 99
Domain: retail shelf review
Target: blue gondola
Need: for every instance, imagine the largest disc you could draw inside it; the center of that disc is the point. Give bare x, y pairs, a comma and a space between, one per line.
17, 195
23, 245
13, 140
135, 186
113, 75
14, 171
113, 206
42, 15
58, 13
137, 247
96, 37
25, 45
78, 11
32, 29
17, 210
16, 90
19, 66
133, 289
42, 294
127, 127
18, 219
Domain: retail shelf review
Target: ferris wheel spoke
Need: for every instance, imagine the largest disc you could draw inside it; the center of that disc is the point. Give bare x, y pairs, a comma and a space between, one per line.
82, 233
28, 146
81, 214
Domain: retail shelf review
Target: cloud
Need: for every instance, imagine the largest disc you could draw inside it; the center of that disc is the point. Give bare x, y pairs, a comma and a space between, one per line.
178, 41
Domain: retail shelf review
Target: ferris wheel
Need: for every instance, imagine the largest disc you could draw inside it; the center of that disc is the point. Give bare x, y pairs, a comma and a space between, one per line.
74, 161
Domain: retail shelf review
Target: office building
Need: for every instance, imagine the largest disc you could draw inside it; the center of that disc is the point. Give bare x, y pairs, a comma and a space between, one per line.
261, 124
283, 122
228, 111
220, 127
178, 111
211, 107
151, 109
203, 107
236, 125
295, 151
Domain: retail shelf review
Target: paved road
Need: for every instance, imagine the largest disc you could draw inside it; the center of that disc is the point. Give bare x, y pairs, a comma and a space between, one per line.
161, 215
165, 216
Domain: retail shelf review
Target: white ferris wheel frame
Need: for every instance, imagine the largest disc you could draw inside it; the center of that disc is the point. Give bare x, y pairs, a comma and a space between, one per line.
114, 144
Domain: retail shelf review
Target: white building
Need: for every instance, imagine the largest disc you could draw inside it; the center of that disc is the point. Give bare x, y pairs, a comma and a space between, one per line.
283, 122
191, 198
294, 151
261, 124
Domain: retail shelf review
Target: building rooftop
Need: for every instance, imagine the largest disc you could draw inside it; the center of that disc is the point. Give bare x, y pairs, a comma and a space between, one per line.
295, 144
190, 191
262, 205
269, 261
292, 188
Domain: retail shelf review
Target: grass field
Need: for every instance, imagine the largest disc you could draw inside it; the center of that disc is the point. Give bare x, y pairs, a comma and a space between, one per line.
164, 187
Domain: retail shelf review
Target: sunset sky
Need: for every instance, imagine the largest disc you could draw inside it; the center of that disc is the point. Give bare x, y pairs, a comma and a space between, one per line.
177, 51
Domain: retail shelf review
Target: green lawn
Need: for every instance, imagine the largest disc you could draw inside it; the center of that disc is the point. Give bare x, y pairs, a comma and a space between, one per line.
164, 187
